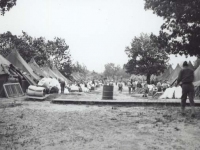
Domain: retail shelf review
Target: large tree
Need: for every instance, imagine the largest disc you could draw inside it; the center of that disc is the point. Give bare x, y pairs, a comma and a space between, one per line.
59, 51
6, 5
8, 41
111, 70
121, 73
55, 52
77, 67
180, 32
145, 57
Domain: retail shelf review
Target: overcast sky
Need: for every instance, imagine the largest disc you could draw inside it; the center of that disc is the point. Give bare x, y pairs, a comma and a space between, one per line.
97, 31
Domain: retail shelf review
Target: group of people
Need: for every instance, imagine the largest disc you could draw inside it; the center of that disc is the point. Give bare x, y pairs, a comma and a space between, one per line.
83, 86
185, 80
138, 86
133, 85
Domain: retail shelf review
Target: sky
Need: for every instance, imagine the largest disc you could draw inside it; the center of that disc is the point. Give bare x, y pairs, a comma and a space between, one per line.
97, 31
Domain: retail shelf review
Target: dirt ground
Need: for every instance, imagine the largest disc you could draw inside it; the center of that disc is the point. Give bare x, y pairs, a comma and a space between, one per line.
43, 125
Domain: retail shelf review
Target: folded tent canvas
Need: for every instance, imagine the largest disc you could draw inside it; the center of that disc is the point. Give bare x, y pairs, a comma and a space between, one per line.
15, 58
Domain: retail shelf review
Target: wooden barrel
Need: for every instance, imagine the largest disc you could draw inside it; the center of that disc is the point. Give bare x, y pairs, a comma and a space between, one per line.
107, 92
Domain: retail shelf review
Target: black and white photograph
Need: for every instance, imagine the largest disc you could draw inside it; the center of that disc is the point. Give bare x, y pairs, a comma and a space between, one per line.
99, 74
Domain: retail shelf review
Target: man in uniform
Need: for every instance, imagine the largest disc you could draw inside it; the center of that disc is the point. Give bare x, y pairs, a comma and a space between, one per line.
129, 87
120, 86
62, 85
185, 79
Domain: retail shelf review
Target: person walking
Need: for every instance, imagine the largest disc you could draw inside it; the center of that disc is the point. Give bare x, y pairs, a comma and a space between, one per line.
134, 85
129, 87
185, 79
62, 85
146, 89
159, 86
120, 86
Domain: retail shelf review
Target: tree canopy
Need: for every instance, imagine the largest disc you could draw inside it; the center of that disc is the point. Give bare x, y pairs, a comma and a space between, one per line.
6, 5
114, 71
145, 57
111, 70
52, 52
81, 68
180, 32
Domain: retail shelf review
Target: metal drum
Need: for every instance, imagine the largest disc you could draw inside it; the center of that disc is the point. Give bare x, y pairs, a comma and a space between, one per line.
107, 92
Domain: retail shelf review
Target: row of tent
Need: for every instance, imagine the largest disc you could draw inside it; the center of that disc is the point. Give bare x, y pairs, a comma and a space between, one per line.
171, 74
15, 65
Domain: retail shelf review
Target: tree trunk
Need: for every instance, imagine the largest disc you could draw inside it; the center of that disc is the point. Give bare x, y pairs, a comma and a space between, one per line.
148, 78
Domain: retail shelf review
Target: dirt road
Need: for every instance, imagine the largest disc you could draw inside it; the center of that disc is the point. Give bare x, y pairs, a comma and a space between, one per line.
47, 126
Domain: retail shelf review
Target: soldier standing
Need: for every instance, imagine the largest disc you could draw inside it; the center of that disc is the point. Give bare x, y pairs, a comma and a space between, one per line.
185, 79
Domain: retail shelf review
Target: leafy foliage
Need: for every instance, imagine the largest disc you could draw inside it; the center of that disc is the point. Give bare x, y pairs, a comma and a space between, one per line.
145, 57
60, 51
6, 5
181, 31
115, 71
9, 42
77, 67
92, 75
111, 70
51, 53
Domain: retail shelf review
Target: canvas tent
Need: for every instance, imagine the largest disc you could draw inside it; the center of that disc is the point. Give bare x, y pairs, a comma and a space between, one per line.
8, 73
71, 78
197, 74
55, 70
3, 72
166, 74
174, 74
196, 82
197, 77
50, 72
3, 62
80, 76
77, 76
15, 58
191, 65
37, 70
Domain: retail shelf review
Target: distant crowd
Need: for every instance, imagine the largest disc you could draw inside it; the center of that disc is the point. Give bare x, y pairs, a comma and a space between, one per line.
135, 86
